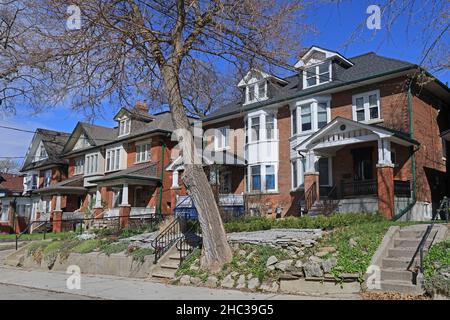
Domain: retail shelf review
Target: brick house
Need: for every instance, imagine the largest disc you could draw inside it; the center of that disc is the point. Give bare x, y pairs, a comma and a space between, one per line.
347, 129
12, 201
117, 171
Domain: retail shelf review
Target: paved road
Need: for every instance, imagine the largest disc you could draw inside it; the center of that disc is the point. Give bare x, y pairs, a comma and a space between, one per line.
12, 292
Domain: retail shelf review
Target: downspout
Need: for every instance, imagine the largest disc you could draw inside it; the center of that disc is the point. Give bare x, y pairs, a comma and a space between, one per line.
413, 201
162, 179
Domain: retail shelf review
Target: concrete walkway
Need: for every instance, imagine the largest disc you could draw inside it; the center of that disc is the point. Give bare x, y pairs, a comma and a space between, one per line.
115, 288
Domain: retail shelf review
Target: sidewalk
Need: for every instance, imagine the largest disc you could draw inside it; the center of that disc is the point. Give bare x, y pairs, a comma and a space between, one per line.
115, 288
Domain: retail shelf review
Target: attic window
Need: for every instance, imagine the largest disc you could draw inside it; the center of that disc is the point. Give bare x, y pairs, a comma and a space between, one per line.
124, 127
42, 153
317, 74
256, 92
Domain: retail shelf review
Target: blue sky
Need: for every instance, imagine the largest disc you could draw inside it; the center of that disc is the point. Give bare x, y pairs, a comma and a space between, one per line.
334, 26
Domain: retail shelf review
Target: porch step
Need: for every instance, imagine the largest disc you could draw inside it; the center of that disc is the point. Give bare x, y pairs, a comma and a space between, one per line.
405, 287
163, 273
410, 242
397, 275
398, 263
171, 264
402, 252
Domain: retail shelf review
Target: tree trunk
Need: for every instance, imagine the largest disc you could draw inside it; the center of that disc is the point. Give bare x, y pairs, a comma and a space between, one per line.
216, 251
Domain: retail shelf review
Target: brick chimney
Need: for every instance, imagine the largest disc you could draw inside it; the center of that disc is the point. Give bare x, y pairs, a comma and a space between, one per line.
141, 107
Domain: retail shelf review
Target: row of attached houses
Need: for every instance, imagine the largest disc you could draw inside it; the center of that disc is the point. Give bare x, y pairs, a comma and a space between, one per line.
367, 132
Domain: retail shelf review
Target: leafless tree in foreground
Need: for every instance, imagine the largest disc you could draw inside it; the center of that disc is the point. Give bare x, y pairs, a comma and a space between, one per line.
9, 166
129, 48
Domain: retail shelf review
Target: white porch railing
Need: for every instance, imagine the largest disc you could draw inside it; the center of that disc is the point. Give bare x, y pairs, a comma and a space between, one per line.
139, 211
111, 212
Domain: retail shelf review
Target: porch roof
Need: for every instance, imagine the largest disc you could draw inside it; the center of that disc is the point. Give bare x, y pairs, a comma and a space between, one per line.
341, 131
73, 185
136, 175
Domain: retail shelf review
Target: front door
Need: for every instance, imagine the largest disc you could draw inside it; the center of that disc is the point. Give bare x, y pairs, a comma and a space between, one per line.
362, 164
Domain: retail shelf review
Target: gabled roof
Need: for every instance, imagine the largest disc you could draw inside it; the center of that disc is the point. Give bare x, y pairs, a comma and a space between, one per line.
340, 124
366, 67
263, 75
329, 54
95, 134
53, 142
134, 113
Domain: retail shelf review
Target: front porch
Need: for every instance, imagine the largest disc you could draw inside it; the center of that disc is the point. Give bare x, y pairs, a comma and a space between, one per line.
348, 160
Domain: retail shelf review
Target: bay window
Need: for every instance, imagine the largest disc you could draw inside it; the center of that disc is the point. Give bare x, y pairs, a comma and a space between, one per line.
270, 177
270, 127
255, 178
366, 106
255, 128
263, 178
222, 138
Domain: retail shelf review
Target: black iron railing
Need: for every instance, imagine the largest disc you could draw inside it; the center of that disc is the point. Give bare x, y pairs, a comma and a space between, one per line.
359, 188
190, 240
167, 238
402, 188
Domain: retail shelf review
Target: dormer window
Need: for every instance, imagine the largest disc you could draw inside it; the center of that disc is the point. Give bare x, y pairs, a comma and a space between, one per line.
256, 92
124, 127
317, 74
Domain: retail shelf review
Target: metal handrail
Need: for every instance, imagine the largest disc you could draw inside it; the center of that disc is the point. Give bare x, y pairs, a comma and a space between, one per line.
427, 233
190, 239
166, 238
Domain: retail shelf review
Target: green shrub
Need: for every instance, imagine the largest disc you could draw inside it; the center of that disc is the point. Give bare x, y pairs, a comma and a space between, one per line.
306, 222
116, 247
436, 264
86, 246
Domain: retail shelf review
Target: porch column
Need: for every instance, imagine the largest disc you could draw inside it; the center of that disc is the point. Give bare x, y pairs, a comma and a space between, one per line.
385, 179
124, 208
311, 175
57, 215
98, 208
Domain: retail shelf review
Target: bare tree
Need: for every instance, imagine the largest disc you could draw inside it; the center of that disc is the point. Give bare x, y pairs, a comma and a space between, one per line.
9, 166
130, 48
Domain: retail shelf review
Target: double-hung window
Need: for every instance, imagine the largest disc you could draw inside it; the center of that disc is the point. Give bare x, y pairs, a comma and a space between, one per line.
222, 138
366, 106
322, 116
317, 74
79, 166
124, 127
47, 178
113, 159
256, 91
255, 179
142, 152
255, 128
92, 163
270, 177
270, 126
306, 117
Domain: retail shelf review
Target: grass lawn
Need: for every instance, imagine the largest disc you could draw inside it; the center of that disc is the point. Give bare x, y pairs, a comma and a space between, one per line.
35, 236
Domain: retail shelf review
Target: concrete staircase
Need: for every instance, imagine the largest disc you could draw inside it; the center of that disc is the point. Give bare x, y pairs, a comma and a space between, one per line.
395, 254
167, 266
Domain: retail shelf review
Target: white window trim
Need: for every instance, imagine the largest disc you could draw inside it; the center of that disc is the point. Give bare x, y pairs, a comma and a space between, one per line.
316, 65
314, 115
300, 174
225, 139
148, 144
365, 96
257, 98
124, 120
262, 166
116, 149
86, 167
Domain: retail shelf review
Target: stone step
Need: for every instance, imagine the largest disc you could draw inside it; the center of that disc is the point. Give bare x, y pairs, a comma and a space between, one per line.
398, 263
170, 264
403, 252
404, 287
163, 273
397, 274
175, 256
409, 242
417, 234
